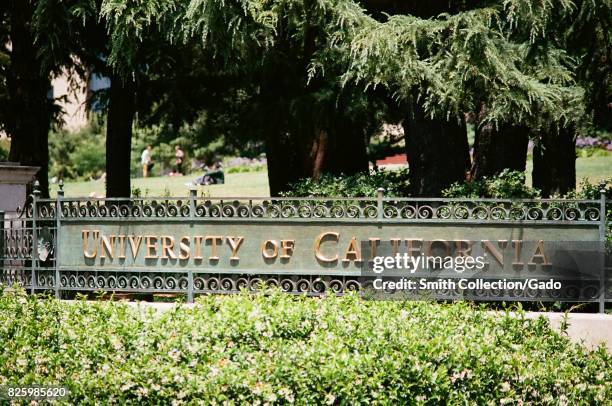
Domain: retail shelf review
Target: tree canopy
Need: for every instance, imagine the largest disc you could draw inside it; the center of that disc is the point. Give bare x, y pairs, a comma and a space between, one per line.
314, 79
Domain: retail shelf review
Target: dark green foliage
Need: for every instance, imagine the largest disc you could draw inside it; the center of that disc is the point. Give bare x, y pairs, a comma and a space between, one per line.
365, 184
507, 185
593, 190
4, 149
78, 155
276, 348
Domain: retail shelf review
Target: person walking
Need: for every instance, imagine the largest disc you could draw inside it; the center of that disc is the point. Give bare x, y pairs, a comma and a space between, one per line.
179, 155
146, 161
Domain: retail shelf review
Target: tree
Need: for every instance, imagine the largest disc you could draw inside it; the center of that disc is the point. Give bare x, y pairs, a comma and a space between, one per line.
311, 124
492, 60
28, 108
497, 148
554, 162
469, 61
42, 36
583, 31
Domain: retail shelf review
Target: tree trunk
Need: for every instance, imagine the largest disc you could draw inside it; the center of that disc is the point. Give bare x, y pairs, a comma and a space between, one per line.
312, 154
313, 161
554, 162
347, 149
437, 152
282, 160
499, 149
29, 106
121, 112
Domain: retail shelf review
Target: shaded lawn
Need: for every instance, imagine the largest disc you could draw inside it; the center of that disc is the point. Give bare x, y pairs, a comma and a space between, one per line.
255, 184
236, 184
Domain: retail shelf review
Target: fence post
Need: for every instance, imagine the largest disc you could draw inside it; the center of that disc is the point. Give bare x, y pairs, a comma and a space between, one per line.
58, 214
34, 248
602, 243
192, 208
380, 193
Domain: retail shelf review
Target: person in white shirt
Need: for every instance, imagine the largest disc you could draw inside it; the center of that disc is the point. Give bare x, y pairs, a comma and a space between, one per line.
146, 161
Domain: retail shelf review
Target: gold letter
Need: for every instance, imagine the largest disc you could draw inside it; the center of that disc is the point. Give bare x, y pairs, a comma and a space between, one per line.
488, 246
287, 248
353, 251
411, 248
317, 246
373, 246
234, 245
213, 245
108, 245
395, 242
446, 245
463, 252
167, 247
151, 243
539, 253
264, 249
184, 248
121, 246
135, 245
95, 234
197, 241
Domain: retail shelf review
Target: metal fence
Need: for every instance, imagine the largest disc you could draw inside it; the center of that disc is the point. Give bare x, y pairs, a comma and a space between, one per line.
31, 253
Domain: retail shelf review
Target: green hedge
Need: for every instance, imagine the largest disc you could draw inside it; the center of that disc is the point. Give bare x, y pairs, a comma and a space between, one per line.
363, 184
508, 184
277, 348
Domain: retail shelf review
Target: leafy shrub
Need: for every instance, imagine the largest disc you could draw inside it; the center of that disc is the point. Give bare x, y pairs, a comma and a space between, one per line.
79, 155
5, 147
592, 191
246, 168
277, 348
395, 183
508, 184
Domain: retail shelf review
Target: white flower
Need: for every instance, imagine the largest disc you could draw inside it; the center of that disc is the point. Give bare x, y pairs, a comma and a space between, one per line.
127, 386
174, 354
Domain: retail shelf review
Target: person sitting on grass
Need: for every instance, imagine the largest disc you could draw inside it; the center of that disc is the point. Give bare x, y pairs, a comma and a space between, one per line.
211, 176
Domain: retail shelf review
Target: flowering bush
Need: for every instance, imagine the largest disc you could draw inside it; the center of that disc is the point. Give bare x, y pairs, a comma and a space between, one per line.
592, 142
275, 348
592, 146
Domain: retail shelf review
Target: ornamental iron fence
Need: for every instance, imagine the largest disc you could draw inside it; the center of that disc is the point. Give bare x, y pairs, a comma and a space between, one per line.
199, 245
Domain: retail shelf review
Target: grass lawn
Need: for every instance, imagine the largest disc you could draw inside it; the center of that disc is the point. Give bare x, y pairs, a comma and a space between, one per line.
594, 168
236, 184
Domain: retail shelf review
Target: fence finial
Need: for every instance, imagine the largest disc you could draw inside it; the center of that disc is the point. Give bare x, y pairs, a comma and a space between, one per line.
36, 190
602, 187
